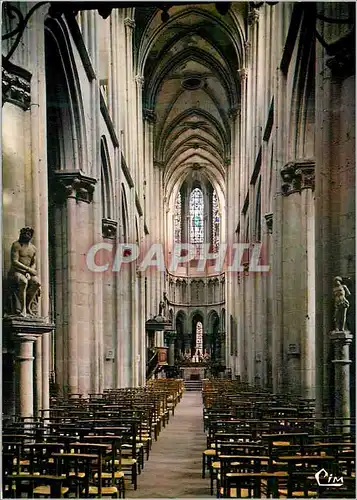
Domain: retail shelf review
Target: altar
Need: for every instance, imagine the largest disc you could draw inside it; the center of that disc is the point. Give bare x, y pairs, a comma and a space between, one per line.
193, 372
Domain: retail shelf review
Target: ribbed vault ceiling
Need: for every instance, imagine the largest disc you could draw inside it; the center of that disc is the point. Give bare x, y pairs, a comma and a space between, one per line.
191, 83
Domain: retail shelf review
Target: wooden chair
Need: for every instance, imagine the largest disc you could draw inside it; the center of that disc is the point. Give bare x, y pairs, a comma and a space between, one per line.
52, 485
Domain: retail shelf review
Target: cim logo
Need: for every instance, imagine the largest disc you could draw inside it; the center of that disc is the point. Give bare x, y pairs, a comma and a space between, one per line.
323, 478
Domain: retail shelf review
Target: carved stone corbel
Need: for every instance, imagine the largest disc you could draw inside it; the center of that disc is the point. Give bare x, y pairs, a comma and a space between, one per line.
109, 228
269, 222
16, 86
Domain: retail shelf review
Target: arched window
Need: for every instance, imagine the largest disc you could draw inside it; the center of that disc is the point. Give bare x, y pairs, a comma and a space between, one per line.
199, 336
105, 179
216, 219
196, 217
177, 219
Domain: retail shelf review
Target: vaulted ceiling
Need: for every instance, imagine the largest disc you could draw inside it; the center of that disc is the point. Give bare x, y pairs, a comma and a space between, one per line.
190, 65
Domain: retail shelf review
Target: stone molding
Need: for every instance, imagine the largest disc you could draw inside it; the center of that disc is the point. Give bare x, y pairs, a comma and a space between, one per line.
298, 175
109, 228
74, 184
16, 86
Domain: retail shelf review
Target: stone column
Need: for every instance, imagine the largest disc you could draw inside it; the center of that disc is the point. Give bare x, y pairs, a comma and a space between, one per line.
139, 79
24, 360
335, 176
72, 188
170, 337
298, 311
24, 331
341, 341
149, 117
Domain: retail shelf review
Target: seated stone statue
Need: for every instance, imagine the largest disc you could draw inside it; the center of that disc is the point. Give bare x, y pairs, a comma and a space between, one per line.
23, 284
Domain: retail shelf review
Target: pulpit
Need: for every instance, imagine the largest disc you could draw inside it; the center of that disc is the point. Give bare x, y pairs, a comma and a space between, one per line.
162, 355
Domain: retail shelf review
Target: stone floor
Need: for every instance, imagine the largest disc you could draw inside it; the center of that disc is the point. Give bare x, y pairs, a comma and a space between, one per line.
175, 465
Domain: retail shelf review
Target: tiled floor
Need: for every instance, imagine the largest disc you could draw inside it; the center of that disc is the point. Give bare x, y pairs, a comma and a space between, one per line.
175, 464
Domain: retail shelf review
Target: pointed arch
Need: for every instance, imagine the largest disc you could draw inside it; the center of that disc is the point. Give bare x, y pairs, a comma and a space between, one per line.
65, 113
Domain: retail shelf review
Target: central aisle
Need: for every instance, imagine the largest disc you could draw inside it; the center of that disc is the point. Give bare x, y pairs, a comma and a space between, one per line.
175, 465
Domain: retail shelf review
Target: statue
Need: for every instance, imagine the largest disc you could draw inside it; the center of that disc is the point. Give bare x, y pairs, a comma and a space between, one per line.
340, 294
24, 286
162, 309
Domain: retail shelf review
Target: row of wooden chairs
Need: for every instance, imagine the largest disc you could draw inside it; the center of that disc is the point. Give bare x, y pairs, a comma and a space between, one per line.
86, 447
276, 453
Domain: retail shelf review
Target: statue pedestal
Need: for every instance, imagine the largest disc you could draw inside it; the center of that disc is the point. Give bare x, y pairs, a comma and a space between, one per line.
23, 332
341, 341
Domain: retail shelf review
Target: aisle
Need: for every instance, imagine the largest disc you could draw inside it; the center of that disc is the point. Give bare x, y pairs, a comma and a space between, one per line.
175, 465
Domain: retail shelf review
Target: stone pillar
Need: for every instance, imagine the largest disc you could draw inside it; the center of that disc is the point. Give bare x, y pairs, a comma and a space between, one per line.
298, 312
24, 360
24, 331
72, 188
335, 176
341, 341
170, 337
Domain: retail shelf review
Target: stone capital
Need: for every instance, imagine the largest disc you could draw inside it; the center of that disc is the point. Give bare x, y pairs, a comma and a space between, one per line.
139, 79
109, 228
129, 23
149, 115
253, 17
243, 74
234, 112
74, 184
298, 175
16, 86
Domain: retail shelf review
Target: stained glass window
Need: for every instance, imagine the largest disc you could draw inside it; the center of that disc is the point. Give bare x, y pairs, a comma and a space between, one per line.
177, 219
196, 217
216, 219
199, 336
